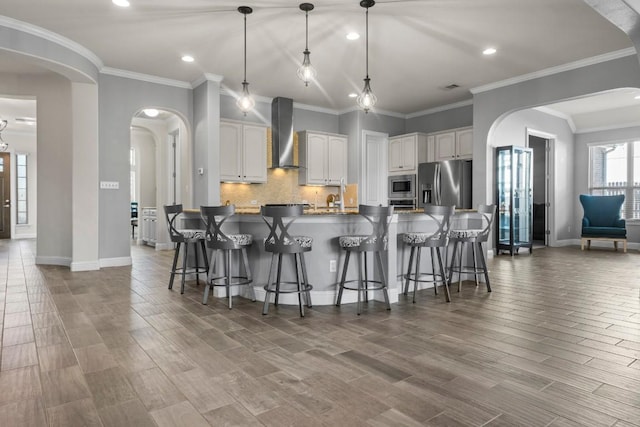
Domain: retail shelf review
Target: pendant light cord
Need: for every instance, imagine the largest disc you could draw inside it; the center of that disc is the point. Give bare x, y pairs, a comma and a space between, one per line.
245, 47
367, 46
306, 42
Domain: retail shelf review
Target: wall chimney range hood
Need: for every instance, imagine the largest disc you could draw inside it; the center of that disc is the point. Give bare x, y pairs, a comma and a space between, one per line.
282, 133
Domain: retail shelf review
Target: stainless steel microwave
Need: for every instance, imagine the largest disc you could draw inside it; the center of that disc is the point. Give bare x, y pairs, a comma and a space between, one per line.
402, 186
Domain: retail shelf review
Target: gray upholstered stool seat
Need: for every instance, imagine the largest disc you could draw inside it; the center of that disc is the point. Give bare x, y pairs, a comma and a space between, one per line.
473, 236
214, 218
187, 237
375, 243
280, 242
436, 240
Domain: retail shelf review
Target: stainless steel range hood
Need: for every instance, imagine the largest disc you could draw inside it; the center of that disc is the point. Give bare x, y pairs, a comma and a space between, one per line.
282, 133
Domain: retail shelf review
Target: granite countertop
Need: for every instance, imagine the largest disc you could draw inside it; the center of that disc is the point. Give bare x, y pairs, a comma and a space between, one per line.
325, 211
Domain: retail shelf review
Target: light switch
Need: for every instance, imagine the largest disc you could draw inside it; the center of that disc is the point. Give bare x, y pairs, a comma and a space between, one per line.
109, 185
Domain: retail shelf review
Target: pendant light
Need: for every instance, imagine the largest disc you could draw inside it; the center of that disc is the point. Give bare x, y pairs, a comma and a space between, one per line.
306, 72
3, 145
245, 102
366, 100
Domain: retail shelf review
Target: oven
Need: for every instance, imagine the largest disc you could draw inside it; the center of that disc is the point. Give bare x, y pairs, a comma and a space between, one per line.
403, 204
402, 186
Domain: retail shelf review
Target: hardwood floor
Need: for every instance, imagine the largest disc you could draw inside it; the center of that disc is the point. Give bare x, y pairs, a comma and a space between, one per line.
557, 343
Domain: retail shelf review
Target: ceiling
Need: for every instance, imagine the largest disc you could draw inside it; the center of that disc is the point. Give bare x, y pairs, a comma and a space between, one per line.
416, 47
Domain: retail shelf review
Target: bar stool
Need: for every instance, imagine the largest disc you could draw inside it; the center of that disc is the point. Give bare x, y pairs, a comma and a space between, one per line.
186, 236
279, 242
217, 240
375, 243
435, 241
474, 236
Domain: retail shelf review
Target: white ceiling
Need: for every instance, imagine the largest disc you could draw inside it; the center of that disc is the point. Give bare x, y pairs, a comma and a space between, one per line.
417, 47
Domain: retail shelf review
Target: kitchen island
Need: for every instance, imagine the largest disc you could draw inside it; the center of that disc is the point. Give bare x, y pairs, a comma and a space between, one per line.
325, 226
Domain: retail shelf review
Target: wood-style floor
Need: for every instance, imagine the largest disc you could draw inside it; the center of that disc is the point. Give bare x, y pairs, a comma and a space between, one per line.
556, 343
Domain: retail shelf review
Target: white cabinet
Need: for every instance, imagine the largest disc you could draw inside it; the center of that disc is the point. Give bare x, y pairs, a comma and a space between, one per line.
148, 227
407, 151
455, 144
243, 152
322, 158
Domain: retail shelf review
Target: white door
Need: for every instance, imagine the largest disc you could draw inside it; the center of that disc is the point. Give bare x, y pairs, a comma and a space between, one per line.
230, 151
374, 168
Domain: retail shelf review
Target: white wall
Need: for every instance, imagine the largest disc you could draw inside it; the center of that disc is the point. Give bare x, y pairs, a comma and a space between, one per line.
24, 143
144, 144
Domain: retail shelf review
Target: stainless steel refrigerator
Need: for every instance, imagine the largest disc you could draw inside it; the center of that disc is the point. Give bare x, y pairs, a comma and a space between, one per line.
445, 183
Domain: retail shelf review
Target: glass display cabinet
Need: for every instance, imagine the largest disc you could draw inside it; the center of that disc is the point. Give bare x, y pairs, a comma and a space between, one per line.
514, 198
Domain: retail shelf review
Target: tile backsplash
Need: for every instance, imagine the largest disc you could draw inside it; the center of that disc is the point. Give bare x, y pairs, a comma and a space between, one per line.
282, 187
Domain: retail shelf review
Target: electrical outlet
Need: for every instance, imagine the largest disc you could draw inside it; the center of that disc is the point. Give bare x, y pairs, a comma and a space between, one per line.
333, 266
254, 202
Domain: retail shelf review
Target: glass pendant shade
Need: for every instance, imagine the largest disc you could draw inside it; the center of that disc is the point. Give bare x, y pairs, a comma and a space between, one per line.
3, 145
366, 100
306, 72
245, 102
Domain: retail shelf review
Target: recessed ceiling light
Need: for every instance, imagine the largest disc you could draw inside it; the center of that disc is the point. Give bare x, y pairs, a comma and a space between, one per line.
188, 58
636, 97
121, 3
489, 51
353, 36
151, 112
353, 95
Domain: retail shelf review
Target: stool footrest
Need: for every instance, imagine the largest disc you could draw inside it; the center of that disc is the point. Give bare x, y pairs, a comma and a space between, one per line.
435, 278
242, 280
378, 285
272, 288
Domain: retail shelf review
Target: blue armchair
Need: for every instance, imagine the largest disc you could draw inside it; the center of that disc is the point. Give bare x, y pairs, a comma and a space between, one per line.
602, 221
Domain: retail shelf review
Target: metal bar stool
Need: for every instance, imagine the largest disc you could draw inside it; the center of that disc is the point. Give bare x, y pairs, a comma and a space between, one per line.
217, 240
186, 236
474, 236
435, 241
376, 243
279, 242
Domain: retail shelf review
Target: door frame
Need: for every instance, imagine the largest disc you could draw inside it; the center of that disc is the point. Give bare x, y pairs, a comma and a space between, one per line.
8, 172
550, 238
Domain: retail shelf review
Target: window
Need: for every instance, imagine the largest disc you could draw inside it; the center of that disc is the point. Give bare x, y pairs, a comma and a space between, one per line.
615, 169
22, 214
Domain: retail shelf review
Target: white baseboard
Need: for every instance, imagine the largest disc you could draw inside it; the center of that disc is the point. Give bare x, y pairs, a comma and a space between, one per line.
53, 260
85, 266
317, 297
24, 236
115, 262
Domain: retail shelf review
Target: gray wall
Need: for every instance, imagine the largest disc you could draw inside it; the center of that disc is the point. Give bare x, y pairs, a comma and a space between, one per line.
206, 137
442, 120
119, 100
491, 106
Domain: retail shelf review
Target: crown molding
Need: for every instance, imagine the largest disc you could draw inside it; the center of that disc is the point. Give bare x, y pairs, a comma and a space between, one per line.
440, 109
555, 70
374, 111
34, 30
315, 108
145, 77
556, 113
206, 77
609, 127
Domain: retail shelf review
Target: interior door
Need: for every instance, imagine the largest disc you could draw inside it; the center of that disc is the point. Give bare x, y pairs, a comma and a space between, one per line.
5, 188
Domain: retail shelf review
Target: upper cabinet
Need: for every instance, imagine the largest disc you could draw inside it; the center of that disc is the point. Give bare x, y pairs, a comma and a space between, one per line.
322, 158
455, 144
243, 152
406, 151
